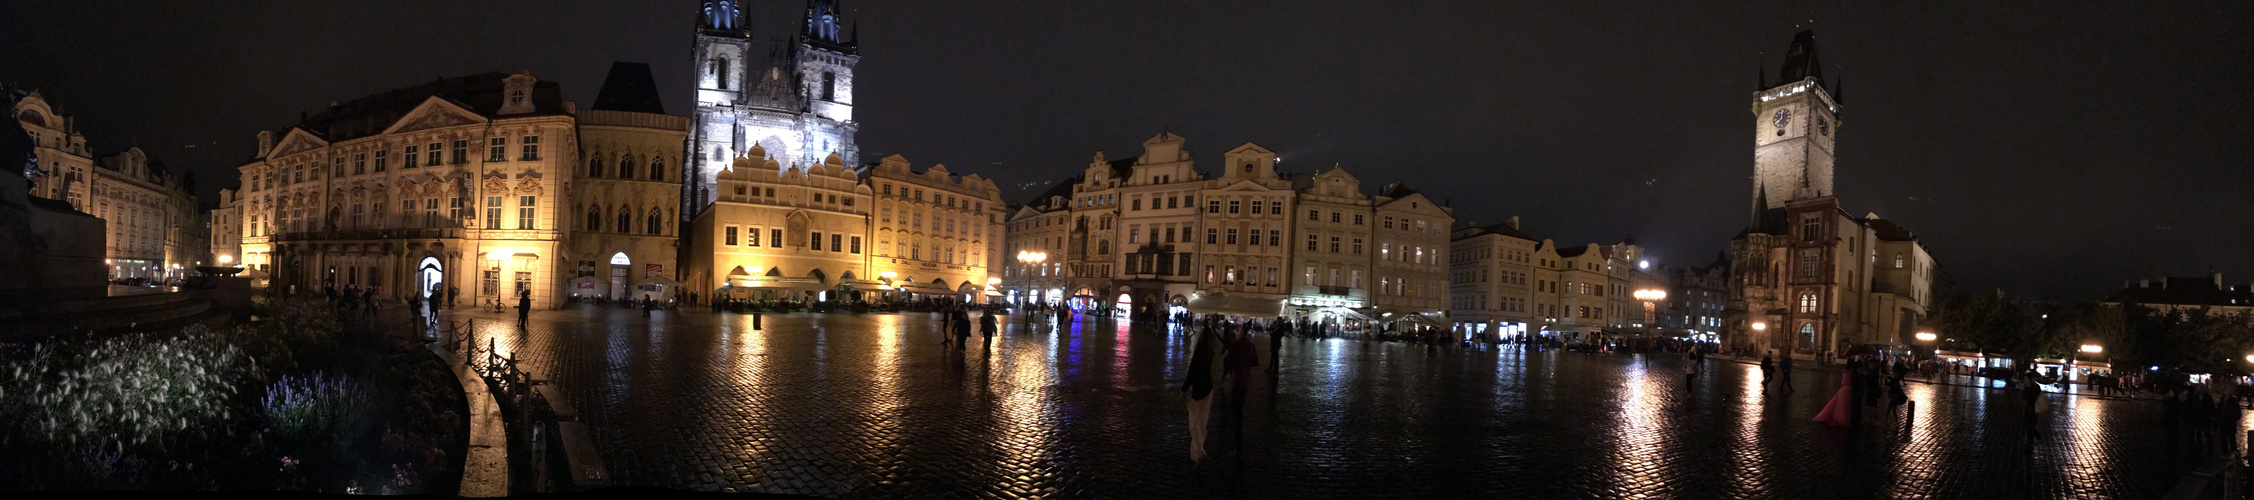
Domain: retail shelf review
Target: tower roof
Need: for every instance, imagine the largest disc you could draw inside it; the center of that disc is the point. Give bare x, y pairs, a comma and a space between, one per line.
1800, 60
723, 17
629, 87
821, 28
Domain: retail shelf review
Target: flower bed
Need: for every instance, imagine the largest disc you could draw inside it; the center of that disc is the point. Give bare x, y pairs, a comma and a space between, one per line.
295, 402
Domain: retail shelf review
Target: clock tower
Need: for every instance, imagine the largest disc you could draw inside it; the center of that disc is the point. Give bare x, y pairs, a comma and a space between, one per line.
1795, 123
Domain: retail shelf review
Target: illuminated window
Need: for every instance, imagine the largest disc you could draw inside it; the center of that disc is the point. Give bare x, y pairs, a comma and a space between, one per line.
1897, 261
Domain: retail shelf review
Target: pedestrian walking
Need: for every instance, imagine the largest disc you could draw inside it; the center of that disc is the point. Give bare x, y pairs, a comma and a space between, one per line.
1690, 370
1276, 332
1784, 371
962, 329
1240, 359
986, 327
1768, 365
1197, 390
524, 308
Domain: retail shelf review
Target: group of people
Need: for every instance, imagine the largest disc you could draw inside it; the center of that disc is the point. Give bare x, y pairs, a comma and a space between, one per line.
2202, 416
959, 325
1862, 381
1232, 344
352, 299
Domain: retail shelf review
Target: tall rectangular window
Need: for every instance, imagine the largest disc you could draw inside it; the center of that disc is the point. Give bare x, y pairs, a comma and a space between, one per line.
1212, 207
461, 151
1211, 236
380, 158
492, 212
1234, 205
435, 155
856, 245
751, 237
1311, 242
338, 170
1258, 206
525, 211
359, 163
497, 149
1275, 238
407, 213
454, 208
408, 160
775, 237
815, 243
1809, 228
835, 239
531, 148
731, 241
1232, 236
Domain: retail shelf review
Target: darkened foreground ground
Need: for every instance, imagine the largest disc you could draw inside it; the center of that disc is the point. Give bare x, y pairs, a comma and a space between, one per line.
860, 405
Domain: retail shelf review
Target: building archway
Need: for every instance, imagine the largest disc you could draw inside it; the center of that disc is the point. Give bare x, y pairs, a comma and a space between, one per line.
429, 276
619, 264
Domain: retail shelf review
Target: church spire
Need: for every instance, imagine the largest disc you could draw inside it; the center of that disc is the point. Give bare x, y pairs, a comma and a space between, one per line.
723, 16
1800, 61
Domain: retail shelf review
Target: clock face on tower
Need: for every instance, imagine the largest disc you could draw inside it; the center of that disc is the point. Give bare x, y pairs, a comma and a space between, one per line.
1782, 118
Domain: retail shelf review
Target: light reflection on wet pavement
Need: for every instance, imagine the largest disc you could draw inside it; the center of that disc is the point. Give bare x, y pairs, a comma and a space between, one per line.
872, 405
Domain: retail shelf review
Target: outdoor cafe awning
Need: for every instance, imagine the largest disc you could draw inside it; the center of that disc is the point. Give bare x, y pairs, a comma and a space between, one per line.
771, 283
1251, 307
866, 286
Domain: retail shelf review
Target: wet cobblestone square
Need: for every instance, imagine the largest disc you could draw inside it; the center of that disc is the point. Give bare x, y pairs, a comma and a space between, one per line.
871, 405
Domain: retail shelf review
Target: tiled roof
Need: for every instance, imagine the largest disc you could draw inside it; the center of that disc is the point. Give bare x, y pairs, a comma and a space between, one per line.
372, 114
2185, 291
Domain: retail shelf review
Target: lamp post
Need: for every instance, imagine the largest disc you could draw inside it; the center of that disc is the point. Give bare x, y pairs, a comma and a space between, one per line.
1030, 259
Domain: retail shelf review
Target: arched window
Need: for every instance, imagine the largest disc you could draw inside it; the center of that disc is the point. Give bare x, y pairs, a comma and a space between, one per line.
829, 86
1897, 260
654, 228
625, 221
720, 72
657, 174
1807, 337
595, 167
1247, 168
594, 219
626, 167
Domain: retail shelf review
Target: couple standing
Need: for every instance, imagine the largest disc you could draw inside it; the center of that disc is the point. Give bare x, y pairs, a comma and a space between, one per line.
1239, 358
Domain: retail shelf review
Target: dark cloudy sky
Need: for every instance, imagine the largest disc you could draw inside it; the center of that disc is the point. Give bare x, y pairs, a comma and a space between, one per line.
2051, 150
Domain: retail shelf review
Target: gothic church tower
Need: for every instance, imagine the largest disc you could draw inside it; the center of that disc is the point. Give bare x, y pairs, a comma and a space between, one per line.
795, 102
1796, 120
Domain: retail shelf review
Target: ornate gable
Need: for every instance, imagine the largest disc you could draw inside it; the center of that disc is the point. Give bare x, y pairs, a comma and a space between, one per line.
434, 113
298, 141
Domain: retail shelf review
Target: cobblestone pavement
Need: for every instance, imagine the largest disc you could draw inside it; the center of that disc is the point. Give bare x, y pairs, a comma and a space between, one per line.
870, 405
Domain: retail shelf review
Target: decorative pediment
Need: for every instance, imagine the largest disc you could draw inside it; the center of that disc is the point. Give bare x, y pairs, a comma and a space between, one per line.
496, 185
434, 187
434, 113
529, 173
298, 141
528, 186
407, 188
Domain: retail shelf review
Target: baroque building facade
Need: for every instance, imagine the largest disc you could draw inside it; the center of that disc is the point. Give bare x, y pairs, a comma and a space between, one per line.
1330, 250
782, 231
1807, 278
461, 185
936, 233
1246, 215
1412, 257
153, 226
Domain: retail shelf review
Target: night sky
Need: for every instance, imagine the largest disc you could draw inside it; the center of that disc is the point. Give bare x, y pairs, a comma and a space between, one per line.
2050, 150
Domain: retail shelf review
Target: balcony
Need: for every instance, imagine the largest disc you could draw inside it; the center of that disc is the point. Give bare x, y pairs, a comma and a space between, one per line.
371, 234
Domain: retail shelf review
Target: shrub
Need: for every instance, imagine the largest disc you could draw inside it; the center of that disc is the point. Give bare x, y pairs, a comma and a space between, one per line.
133, 389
